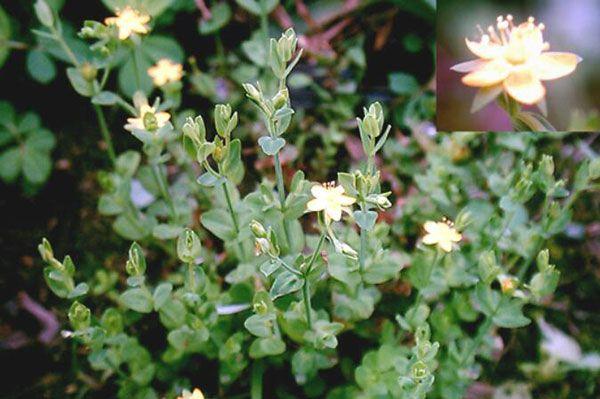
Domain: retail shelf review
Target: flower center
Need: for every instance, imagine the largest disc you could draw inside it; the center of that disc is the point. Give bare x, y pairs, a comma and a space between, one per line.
150, 121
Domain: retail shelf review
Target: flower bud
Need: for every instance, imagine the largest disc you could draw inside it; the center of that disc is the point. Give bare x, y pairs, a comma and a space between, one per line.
225, 122
547, 165
252, 92
281, 98
419, 370
88, 71
348, 251
382, 201
286, 45
79, 316
195, 129
136, 264
45, 250
218, 151
543, 260
258, 229
508, 284
189, 247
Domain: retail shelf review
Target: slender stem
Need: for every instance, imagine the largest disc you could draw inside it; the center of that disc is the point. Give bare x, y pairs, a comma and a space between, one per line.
105, 133
288, 267
362, 255
105, 74
162, 186
306, 300
306, 286
435, 262
234, 218
281, 193
63, 44
231, 211
256, 381
191, 277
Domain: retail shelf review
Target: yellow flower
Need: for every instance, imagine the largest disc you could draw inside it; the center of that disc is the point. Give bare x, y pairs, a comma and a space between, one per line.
515, 59
331, 199
197, 394
148, 119
443, 234
129, 21
165, 71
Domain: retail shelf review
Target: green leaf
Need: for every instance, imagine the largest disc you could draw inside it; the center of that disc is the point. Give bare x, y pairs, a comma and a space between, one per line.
10, 164
285, 283
172, 313
44, 13
218, 222
262, 347
402, 83
208, 179
365, 219
40, 66
124, 226
232, 164
36, 165
5, 33
137, 299
220, 16
256, 49
58, 281
105, 98
271, 146
161, 295
487, 299
41, 139
510, 315
127, 163
166, 231
79, 290
258, 7
260, 325
81, 86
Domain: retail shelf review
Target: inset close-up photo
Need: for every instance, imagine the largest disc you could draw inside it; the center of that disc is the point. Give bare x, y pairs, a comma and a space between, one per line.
524, 65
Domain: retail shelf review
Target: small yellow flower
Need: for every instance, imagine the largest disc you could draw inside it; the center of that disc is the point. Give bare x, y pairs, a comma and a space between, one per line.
165, 71
148, 119
331, 199
442, 234
129, 21
515, 59
197, 394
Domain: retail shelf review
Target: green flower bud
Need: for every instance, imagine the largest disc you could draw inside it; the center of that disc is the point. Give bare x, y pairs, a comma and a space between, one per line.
189, 247
45, 250
79, 316
543, 260
281, 99
136, 264
258, 229
252, 92
547, 165
88, 71
286, 45
225, 122
419, 371
195, 129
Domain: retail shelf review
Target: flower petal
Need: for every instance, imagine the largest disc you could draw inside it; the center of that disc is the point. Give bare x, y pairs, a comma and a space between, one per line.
469, 66
429, 239
445, 245
318, 191
334, 212
346, 200
316, 205
431, 227
554, 65
487, 51
490, 74
524, 86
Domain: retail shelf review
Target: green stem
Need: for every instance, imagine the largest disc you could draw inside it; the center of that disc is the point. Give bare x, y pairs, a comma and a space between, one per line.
256, 381
191, 277
162, 186
306, 286
362, 255
281, 193
435, 262
288, 267
234, 218
63, 44
220, 52
105, 133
